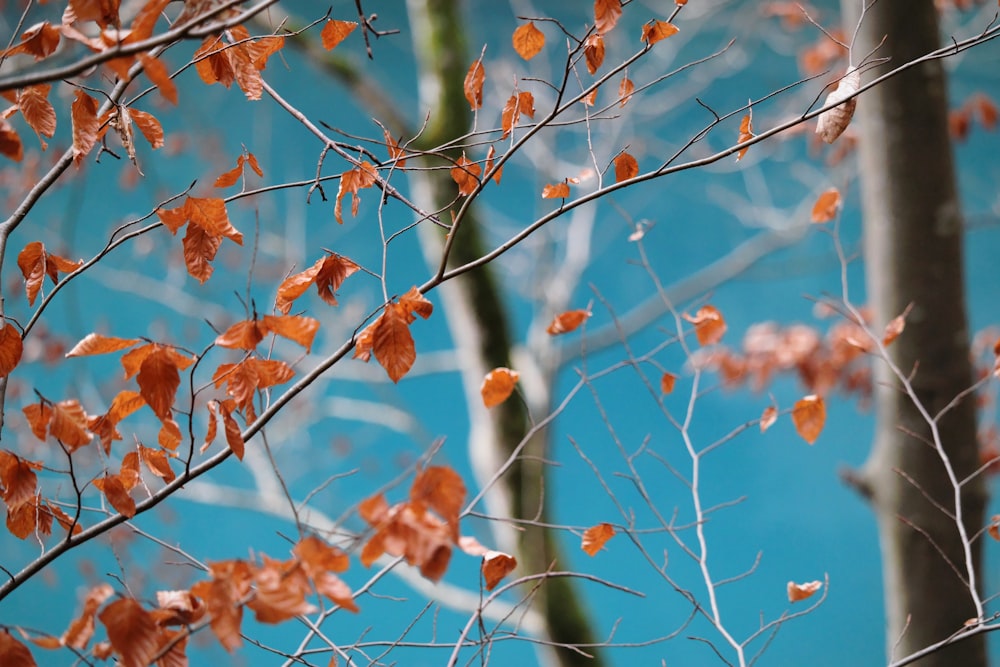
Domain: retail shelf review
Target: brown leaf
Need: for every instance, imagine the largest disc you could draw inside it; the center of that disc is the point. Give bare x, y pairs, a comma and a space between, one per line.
498, 385
158, 462
35, 263
595, 537
68, 425
132, 632
40, 41
528, 40
396, 152
809, 415
11, 348
296, 328
626, 167
567, 321
200, 248
81, 629
490, 154
328, 273
149, 127
18, 479
334, 32
234, 436
593, 52
392, 342
496, 566
466, 174
606, 14
22, 520
441, 489
994, 528
230, 583
243, 335
832, 122
210, 214
318, 560
797, 592
768, 417
556, 191
13, 653
231, 177
95, 343
657, 30
34, 104
118, 496
625, 89
473, 85
160, 76
667, 382
895, 326
10, 142
38, 415
351, 182
827, 205
709, 325
87, 128
746, 134
158, 381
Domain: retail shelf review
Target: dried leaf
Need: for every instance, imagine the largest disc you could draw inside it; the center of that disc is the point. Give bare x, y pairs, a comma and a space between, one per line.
334, 32
595, 537
709, 325
832, 122
895, 326
158, 462
158, 381
132, 632
473, 85
40, 41
626, 167
606, 14
33, 101
81, 629
567, 321
160, 76
746, 134
667, 382
18, 479
118, 496
496, 566
68, 424
95, 343
10, 142
528, 40
556, 191
441, 489
498, 385
994, 528
392, 342
593, 52
466, 174
11, 348
490, 154
768, 417
625, 89
13, 653
351, 182
798, 592
809, 415
657, 30
827, 206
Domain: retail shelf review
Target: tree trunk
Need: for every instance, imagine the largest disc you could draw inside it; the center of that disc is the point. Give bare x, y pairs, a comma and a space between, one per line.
913, 254
475, 305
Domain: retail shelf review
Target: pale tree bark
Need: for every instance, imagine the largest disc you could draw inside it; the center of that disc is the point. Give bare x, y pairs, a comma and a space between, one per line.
913, 254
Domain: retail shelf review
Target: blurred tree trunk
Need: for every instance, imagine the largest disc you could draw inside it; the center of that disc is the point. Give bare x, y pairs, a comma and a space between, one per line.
476, 303
913, 254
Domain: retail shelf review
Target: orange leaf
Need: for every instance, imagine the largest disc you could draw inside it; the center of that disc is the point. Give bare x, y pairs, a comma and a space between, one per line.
625, 89
489, 165
18, 479
34, 104
746, 134
826, 206
234, 436
567, 321
473, 85
466, 174
38, 415
556, 191
210, 214
441, 489
768, 417
158, 462
160, 76
35, 263
626, 167
116, 493
590, 99
606, 14
528, 40
10, 143
593, 52
334, 32
709, 325
158, 381
296, 328
200, 248
96, 343
243, 335
512, 110
392, 343
81, 629
222, 596
498, 385
798, 592
595, 537
11, 348
895, 326
328, 274
657, 30
13, 653
149, 126
231, 177
40, 41
351, 182
994, 527
496, 566
132, 632
809, 415
667, 382
396, 152
68, 425
86, 126
318, 560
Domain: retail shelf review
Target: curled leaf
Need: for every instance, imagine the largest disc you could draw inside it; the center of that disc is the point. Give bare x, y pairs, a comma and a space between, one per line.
595, 537
832, 122
797, 592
